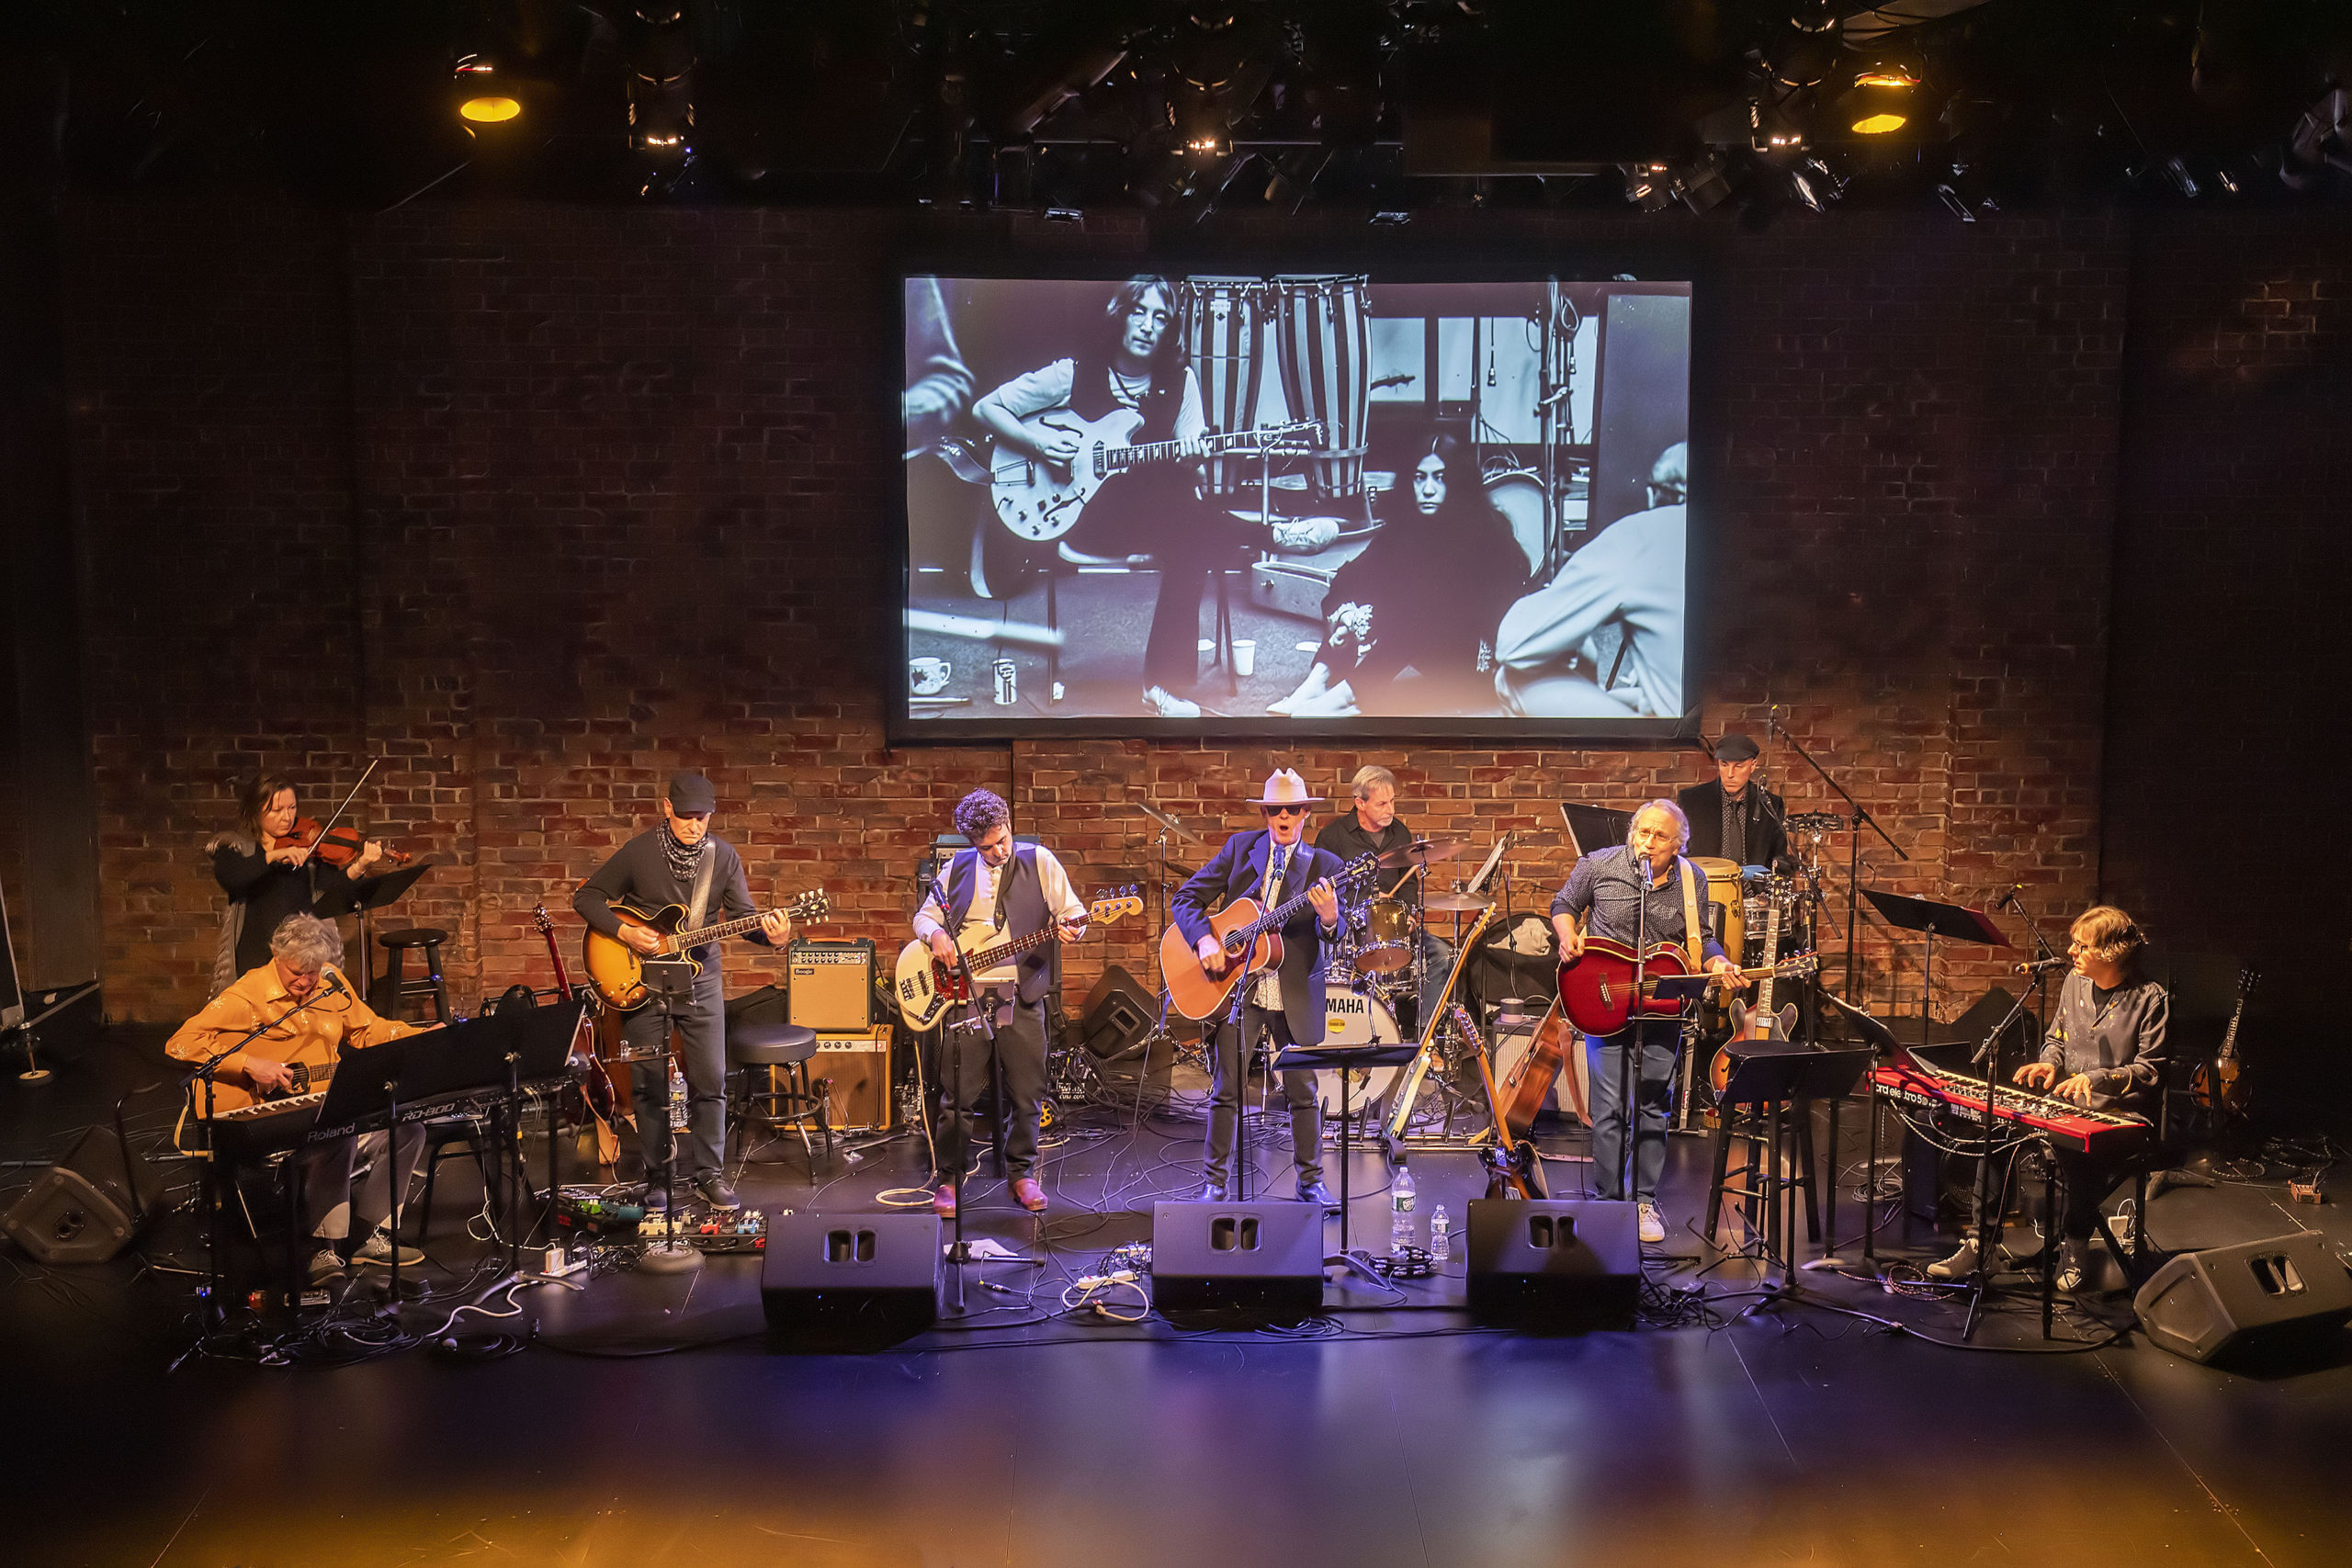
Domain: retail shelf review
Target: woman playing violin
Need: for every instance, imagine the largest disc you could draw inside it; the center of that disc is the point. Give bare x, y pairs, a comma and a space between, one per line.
269, 870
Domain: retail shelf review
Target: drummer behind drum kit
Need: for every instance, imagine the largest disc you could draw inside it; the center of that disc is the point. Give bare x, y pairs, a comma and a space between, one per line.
1379, 971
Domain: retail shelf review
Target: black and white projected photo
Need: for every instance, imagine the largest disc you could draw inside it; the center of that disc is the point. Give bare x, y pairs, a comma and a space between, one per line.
1295, 501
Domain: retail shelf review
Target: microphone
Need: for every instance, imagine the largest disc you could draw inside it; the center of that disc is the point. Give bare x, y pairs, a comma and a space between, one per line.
2040, 966
335, 983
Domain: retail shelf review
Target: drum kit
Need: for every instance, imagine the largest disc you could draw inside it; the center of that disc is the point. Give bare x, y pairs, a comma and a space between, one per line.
1379, 971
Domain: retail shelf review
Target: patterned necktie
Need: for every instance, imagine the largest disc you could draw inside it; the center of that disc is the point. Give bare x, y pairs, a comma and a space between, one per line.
1735, 830
1277, 861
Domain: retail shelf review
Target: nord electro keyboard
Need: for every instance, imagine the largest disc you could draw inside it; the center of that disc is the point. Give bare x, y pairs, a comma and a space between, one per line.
2065, 1124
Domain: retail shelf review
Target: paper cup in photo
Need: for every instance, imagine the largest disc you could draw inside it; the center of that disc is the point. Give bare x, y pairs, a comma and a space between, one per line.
1245, 656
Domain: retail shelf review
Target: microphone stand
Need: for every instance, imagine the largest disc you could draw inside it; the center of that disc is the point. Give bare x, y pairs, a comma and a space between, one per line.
1980, 1281
206, 1073
1857, 818
1169, 826
959, 1250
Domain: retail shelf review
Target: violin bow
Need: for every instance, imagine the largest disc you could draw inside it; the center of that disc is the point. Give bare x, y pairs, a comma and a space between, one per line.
347, 799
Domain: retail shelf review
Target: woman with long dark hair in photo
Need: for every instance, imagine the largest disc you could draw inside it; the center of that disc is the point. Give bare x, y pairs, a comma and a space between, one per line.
1424, 596
1135, 360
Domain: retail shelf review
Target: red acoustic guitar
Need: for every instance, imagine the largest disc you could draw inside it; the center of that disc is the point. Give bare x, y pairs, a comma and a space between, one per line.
1597, 990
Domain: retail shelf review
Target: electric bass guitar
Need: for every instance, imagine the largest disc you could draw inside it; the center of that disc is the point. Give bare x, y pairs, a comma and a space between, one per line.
1252, 941
1041, 500
616, 970
926, 988
1597, 990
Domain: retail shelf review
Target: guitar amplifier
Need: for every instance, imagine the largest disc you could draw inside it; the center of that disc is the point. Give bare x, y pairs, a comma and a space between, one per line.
856, 1064
831, 985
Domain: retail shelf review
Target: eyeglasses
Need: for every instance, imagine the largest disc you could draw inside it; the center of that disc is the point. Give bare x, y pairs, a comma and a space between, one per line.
1285, 811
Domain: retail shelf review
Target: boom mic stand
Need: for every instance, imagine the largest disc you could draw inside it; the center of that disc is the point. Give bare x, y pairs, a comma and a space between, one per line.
959, 1250
1856, 819
1980, 1279
1169, 826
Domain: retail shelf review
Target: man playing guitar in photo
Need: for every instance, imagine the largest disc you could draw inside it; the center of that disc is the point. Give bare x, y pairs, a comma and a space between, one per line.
677, 861
993, 892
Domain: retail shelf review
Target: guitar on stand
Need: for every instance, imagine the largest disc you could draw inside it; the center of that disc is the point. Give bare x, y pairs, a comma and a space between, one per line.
2219, 1084
595, 1099
616, 971
925, 988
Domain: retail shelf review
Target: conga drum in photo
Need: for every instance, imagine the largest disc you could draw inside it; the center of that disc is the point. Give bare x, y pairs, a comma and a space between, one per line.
1323, 345
1223, 321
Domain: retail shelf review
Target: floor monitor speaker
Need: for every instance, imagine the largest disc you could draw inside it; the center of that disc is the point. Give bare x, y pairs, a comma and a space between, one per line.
849, 1281
2286, 1295
85, 1207
1259, 1260
1555, 1264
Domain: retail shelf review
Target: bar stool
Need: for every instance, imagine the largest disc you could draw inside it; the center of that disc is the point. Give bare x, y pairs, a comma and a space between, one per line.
790, 1099
428, 939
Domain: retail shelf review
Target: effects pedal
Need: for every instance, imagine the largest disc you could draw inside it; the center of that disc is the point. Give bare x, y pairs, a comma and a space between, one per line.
589, 1215
746, 1231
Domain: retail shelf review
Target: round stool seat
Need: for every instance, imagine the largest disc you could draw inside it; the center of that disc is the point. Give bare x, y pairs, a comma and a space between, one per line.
770, 1044
413, 936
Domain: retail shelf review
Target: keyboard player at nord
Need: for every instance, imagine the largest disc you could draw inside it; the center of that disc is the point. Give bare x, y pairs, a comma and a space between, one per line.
298, 1050
2105, 1053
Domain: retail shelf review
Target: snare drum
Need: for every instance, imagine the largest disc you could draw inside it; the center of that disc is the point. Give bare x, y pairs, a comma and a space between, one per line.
1352, 1018
1727, 920
1388, 941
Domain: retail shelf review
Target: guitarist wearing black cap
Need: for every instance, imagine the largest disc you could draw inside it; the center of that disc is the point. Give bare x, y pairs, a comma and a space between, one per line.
677, 861
1733, 817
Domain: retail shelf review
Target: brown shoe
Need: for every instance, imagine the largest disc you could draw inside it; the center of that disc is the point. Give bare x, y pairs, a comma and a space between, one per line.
942, 1203
1031, 1196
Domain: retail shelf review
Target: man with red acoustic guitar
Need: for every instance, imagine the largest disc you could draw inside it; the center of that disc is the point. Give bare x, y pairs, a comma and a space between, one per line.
1272, 866
1640, 896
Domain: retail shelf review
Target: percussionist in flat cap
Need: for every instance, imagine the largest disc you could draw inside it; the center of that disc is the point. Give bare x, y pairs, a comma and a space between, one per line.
1733, 816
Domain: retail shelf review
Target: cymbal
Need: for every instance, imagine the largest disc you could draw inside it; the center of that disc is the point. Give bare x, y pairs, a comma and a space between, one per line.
1455, 903
1423, 851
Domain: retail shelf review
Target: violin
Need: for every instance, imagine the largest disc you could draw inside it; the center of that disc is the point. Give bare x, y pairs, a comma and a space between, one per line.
337, 847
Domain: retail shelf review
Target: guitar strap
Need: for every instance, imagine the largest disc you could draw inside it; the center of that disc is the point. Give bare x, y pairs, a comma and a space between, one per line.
1694, 935
698, 902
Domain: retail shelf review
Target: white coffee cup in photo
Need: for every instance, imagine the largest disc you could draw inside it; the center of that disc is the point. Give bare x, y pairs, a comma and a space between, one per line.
1245, 656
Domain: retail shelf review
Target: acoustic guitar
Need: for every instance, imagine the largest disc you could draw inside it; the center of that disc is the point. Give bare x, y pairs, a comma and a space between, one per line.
2217, 1084
1041, 500
616, 970
925, 988
1251, 938
1597, 990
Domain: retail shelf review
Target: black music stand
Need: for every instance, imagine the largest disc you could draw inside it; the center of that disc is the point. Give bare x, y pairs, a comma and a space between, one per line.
1955, 922
1778, 1073
365, 1088
1882, 1046
1592, 828
1342, 1059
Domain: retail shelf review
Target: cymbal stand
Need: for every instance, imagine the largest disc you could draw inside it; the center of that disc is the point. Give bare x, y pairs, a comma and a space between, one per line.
1168, 828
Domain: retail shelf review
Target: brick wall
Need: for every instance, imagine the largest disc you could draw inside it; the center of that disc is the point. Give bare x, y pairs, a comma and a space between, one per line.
541, 502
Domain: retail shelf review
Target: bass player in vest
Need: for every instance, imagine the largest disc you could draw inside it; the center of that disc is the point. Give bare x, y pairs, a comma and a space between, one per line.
995, 891
1638, 897
1271, 865
677, 861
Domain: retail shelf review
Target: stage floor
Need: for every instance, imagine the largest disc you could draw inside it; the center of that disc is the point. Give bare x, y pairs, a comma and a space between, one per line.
1389, 1432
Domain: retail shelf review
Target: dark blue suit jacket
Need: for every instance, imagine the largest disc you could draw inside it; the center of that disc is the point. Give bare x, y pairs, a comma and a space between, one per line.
1236, 872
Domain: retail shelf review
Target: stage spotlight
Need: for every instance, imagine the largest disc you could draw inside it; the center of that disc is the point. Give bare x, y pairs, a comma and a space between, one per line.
1647, 188
482, 98
1882, 99
1806, 54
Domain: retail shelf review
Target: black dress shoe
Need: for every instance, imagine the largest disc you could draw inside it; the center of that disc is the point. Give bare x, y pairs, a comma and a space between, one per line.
1316, 1192
1210, 1193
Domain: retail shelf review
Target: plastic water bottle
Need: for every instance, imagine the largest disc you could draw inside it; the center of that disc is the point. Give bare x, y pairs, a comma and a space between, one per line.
677, 1099
1440, 1235
1401, 1209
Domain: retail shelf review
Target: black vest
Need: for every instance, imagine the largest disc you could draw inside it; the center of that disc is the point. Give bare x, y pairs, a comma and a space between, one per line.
1090, 399
1021, 896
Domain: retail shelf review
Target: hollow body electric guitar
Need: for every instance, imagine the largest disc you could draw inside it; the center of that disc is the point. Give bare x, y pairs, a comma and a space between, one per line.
616, 971
926, 988
1759, 1022
1041, 500
1597, 990
1253, 941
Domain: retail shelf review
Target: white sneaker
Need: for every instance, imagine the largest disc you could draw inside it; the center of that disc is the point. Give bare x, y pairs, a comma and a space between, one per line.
378, 1249
1169, 705
1653, 1226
